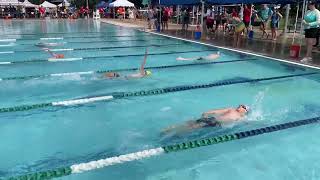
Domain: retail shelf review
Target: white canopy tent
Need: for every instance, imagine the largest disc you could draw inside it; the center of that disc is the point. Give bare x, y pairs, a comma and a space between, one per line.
121, 3
46, 4
26, 3
66, 3
10, 2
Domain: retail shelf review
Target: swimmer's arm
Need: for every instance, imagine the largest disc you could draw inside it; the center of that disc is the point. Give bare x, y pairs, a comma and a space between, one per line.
50, 52
188, 59
215, 112
212, 56
144, 62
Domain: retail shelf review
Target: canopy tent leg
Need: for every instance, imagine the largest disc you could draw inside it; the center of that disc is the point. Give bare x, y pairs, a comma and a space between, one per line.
202, 15
287, 18
178, 14
160, 19
197, 15
193, 15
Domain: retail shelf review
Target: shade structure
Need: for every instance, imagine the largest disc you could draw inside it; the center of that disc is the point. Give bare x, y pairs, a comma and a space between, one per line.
226, 2
65, 3
10, 2
102, 4
46, 4
27, 3
121, 3
176, 2
223, 2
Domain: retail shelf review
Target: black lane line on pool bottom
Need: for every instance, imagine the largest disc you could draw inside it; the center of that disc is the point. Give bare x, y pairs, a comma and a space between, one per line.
120, 95
42, 33
103, 57
77, 37
102, 41
128, 69
101, 48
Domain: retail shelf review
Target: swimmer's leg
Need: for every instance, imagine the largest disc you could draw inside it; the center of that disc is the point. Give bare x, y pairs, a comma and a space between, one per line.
190, 125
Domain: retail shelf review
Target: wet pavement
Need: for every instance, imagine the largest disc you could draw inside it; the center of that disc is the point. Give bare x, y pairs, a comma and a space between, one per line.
277, 49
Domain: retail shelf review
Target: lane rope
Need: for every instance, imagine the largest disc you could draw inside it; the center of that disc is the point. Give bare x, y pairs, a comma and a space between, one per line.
106, 41
8, 40
121, 70
101, 57
98, 48
179, 147
78, 37
158, 91
36, 34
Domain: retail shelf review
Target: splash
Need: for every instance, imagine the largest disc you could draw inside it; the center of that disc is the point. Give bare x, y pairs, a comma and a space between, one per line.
257, 113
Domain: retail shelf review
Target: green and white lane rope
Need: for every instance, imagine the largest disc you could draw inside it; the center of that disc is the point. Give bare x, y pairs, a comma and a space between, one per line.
121, 70
97, 164
152, 92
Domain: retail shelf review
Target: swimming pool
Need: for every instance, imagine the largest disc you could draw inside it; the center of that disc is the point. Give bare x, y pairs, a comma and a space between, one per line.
45, 138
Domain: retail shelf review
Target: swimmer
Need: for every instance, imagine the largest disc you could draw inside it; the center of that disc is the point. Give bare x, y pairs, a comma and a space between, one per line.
210, 57
212, 118
141, 74
48, 44
54, 55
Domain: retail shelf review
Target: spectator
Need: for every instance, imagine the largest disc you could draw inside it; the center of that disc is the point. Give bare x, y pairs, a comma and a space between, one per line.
265, 15
275, 19
247, 16
165, 18
185, 19
311, 23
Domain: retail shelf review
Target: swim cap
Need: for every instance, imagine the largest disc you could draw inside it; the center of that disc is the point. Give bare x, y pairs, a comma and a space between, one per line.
148, 73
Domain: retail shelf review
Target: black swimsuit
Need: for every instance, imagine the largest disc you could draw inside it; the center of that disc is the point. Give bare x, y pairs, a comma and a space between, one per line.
209, 122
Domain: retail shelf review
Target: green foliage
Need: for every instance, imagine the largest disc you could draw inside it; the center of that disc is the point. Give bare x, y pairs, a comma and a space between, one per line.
36, 1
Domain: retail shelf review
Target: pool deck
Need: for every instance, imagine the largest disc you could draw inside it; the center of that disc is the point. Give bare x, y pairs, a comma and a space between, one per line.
279, 49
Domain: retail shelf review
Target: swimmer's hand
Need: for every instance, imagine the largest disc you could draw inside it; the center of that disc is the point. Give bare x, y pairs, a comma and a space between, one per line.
45, 49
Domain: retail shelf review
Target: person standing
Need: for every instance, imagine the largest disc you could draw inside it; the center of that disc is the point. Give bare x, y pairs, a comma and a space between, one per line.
165, 18
275, 19
311, 23
265, 15
247, 16
185, 19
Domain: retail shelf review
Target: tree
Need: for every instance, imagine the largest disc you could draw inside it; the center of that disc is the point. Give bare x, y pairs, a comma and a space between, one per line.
79, 3
36, 1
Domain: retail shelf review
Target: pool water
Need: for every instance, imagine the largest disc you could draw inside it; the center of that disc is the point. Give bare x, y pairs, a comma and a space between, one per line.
48, 138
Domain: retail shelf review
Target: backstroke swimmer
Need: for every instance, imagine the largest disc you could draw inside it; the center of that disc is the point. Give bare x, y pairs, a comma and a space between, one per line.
141, 74
210, 57
212, 118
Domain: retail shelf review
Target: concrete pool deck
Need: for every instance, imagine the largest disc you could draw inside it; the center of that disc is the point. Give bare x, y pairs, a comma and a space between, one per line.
279, 49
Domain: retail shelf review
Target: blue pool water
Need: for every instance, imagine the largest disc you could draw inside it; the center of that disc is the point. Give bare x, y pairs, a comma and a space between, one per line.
48, 138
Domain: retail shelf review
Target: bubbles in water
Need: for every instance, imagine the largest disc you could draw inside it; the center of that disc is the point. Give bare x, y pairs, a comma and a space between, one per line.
73, 77
167, 108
